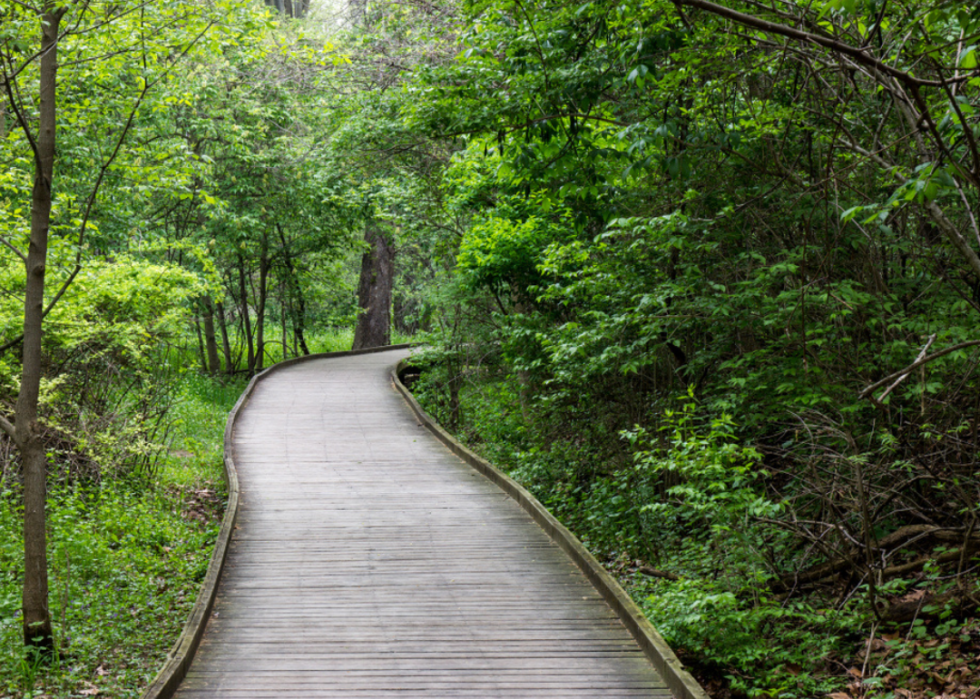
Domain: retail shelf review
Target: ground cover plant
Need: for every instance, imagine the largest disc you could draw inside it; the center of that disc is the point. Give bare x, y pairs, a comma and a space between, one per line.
127, 559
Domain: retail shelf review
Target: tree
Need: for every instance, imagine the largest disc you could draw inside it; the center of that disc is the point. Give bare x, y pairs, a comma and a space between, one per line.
24, 429
269, 211
374, 290
70, 35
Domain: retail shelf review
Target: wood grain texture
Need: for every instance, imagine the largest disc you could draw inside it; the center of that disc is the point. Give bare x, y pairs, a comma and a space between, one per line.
368, 561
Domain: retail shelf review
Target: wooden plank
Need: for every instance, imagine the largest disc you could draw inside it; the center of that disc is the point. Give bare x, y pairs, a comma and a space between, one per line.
369, 562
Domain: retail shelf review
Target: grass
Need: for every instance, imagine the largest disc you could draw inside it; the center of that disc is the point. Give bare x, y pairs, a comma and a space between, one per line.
341, 339
126, 558
331, 340
199, 416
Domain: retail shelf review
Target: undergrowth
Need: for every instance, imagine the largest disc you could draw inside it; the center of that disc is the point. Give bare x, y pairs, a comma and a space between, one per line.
126, 556
680, 519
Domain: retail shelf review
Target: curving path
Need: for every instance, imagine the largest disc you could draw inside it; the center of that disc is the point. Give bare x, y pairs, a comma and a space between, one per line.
368, 562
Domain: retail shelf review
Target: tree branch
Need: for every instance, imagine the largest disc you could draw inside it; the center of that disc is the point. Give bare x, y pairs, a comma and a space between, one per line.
853, 52
915, 365
11, 247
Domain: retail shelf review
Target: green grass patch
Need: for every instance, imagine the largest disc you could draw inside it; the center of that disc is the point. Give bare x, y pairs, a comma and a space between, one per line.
126, 560
340, 339
330, 340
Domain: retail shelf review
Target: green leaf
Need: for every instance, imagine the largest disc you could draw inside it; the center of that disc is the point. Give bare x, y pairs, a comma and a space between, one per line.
968, 59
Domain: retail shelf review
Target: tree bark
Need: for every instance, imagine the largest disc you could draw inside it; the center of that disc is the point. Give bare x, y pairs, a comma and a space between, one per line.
201, 355
299, 317
296, 291
27, 433
260, 306
225, 344
374, 291
246, 318
284, 303
210, 340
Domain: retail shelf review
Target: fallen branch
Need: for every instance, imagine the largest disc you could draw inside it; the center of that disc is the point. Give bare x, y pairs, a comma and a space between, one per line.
929, 605
654, 573
900, 537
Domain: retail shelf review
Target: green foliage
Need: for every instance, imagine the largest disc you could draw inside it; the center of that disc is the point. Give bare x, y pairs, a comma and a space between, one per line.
503, 251
106, 392
742, 628
700, 474
127, 558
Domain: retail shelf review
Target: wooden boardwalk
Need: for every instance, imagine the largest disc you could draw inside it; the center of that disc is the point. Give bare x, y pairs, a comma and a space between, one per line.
368, 562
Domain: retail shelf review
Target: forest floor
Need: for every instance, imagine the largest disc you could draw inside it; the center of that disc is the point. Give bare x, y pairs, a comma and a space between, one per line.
917, 660
126, 557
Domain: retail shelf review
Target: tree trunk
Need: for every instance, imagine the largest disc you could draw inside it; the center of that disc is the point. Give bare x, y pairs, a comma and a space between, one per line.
296, 290
27, 433
225, 344
201, 355
283, 303
374, 291
246, 318
260, 306
210, 341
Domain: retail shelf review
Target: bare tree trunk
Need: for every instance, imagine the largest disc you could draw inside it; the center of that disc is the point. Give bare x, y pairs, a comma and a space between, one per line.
454, 367
210, 341
202, 357
225, 344
374, 291
260, 306
246, 318
284, 302
27, 433
296, 290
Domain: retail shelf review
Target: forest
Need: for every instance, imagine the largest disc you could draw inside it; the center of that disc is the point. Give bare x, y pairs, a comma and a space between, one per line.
700, 275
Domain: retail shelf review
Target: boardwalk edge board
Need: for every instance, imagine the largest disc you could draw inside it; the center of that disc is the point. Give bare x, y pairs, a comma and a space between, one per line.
181, 654
680, 681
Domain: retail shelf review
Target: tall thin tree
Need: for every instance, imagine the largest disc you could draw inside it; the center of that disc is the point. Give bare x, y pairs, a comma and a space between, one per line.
25, 430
